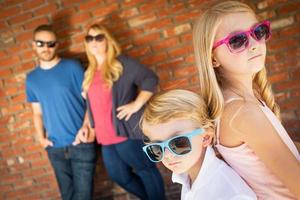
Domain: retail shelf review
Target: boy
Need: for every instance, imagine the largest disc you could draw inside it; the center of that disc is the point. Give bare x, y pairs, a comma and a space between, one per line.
180, 134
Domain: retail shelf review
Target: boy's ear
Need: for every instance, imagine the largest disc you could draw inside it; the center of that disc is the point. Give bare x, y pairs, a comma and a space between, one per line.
208, 137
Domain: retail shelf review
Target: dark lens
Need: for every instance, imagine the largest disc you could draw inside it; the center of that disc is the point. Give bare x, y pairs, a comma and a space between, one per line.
99, 37
238, 41
51, 44
89, 38
262, 32
180, 145
155, 152
39, 43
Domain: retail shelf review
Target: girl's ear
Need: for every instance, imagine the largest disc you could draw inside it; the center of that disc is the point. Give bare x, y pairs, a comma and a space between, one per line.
215, 62
208, 137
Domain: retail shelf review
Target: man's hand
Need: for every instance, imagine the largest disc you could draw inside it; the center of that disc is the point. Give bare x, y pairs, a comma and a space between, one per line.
84, 135
45, 142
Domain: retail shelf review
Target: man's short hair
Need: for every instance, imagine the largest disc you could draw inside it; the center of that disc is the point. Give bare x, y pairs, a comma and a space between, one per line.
44, 27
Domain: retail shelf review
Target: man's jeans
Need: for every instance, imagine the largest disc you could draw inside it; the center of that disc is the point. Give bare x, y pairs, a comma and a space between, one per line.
128, 165
74, 168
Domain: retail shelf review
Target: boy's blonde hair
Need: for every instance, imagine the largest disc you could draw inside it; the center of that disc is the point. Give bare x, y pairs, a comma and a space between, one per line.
176, 104
211, 80
112, 69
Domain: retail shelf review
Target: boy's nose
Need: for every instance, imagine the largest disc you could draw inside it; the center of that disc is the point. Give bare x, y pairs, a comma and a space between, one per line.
168, 154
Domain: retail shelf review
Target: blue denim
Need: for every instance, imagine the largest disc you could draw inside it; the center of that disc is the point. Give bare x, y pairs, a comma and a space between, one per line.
128, 166
74, 168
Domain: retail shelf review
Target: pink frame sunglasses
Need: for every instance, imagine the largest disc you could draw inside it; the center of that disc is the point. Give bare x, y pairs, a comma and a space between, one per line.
239, 41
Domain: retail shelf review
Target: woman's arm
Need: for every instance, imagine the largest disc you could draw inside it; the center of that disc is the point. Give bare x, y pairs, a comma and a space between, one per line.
125, 111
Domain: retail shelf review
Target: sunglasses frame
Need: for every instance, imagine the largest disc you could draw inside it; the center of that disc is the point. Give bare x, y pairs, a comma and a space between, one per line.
165, 144
248, 33
92, 38
50, 44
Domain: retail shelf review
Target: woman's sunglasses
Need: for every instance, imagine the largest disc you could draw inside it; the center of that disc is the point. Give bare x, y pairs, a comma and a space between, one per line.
40, 43
238, 42
178, 145
97, 38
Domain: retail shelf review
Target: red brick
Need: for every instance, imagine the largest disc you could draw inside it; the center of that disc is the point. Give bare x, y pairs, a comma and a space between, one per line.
184, 71
290, 31
289, 8
66, 3
22, 184
163, 74
165, 44
173, 84
282, 44
50, 8
31, 4
89, 5
295, 93
139, 52
129, 13
141, 20
187, 17
5, 188
171, 62
24, 36
5, 72
9, 12
99, 12
79, 18
130, 3
146, 39
36, 22
9, 62
21, 125
66, 12
181, 51
179, 29
151, 60
279, 77
17, 193
3, 25
20, 18
152, 5
288, 85
157, 25
171, 10
12, 109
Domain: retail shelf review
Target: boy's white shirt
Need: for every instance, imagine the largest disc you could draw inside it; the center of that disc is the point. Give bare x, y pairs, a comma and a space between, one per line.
215, 181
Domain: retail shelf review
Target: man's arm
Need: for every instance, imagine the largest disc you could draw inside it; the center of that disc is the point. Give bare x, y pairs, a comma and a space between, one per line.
39, 125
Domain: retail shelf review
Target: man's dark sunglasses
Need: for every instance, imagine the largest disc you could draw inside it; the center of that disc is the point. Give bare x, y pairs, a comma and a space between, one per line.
40, 43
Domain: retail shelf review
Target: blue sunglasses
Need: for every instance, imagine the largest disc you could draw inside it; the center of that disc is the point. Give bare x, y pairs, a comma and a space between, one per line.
178, 145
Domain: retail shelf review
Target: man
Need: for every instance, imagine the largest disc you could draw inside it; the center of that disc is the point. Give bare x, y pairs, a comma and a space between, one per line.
59, 113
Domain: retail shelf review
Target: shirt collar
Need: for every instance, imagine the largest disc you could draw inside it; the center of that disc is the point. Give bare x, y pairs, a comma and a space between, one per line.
208, 168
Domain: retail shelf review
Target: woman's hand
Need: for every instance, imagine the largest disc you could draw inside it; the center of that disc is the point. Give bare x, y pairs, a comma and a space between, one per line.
127, 110
84, 135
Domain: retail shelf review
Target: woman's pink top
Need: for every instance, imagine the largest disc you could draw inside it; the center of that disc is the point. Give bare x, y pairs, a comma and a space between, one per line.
248, 165
100, 98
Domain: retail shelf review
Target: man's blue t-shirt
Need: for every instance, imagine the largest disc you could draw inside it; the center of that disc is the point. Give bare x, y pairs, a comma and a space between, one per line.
58, 90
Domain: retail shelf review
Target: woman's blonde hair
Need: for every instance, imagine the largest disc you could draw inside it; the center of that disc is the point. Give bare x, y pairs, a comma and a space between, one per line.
176, 104
211, 80
112, 68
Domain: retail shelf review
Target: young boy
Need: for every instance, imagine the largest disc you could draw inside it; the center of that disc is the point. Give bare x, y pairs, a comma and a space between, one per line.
180, 133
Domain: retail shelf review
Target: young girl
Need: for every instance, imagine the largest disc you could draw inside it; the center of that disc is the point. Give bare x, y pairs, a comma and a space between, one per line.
117, 87
180, 134
230, 49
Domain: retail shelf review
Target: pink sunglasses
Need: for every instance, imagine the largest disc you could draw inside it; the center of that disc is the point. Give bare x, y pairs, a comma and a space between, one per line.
238, 42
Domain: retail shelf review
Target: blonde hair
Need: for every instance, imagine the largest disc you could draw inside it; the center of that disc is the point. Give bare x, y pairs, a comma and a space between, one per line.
176, 104
112, 68
211, 80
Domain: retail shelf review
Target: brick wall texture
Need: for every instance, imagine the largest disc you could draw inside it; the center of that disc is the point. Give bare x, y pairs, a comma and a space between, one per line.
156, 32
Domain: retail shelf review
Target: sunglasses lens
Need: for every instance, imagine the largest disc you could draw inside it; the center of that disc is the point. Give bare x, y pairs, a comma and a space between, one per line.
155, 152
51, 44
238, 42
180, 145
99, 37
39, 43
262, 32
89, 38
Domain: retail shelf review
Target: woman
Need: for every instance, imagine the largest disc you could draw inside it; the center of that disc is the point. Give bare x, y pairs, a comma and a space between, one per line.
117, 88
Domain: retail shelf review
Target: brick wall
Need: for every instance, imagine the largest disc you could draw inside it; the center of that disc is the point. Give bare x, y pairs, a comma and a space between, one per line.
158, 34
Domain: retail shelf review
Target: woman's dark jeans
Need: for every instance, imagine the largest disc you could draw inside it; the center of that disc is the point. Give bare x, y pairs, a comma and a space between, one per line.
128, 166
